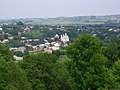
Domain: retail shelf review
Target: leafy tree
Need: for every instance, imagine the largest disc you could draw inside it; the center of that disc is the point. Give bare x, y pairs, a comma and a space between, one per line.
6, 54
12, 77
39, 69
118, 47
116, 72
88, 64
112, 53
59, 52
62, 74
19, 54
19, 23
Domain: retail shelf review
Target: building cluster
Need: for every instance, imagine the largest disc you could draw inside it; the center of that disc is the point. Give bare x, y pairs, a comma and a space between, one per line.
9, 37
106, 34
26, 42
3, 34
48, 47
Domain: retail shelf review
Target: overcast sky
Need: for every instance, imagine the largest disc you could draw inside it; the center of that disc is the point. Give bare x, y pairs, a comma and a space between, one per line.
56, 8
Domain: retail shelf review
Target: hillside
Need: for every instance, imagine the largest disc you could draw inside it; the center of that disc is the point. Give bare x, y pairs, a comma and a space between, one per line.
67, 20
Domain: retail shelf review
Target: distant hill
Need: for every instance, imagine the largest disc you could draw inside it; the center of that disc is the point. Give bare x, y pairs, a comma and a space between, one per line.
67, 20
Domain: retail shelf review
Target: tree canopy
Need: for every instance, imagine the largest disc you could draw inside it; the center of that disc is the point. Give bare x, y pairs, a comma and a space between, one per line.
39, 69
88, 64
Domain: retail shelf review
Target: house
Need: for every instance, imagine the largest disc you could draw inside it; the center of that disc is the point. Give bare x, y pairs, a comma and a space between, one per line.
28, 45
56, 36
48, 50
1, 29
21, 49
30, 40
50, 29
56, 46
34, 48
47, 44
17, 58
36, 40
52, 38
5, 41
52, 43
110, 29
23, 38
22, 41
11, 37
27, 29
13, 49
41, 46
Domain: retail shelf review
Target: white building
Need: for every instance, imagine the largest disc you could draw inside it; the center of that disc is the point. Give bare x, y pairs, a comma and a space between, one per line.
13, 49
56, 46
5, 41
11, 37
23, 38
36, 40
56, 36
17, 58
21, 49
27, 29
48, 50
1, 29
64, 38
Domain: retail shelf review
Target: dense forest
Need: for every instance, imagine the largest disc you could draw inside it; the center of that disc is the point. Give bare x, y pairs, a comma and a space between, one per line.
86, 64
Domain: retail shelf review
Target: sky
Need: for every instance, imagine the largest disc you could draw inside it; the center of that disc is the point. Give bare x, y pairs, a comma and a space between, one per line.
15, 9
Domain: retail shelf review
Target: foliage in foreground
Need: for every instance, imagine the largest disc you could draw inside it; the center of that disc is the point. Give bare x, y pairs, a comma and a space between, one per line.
87, 64
12, 77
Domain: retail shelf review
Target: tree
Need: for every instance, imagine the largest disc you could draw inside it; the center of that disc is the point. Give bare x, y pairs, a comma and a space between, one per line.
19, 23
116, 72
112, 53
88, 64
12, 77
6, 54
62, 74
39, 69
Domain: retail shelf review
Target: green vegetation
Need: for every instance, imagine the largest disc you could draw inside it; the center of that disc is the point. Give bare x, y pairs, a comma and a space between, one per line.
39, 69
12, 77
86, 64
46, 32
33, 34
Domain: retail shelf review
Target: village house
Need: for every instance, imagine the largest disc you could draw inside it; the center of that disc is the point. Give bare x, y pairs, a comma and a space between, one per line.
10, 37
36, 40
13, 49
23, 38
27, 29
17, 58
21, 49
56, 46
56, 36
48, 50
1, 29
5, 41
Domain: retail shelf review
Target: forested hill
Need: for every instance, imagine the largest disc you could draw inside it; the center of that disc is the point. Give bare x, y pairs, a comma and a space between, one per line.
68, 20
